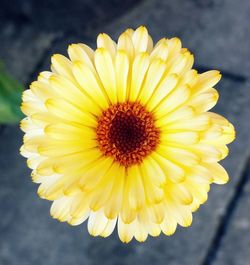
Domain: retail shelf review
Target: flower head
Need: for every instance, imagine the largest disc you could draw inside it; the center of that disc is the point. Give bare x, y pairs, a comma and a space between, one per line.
122, 135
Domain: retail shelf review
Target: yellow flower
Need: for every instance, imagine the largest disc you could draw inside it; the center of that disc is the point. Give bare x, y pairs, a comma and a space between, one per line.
122, 135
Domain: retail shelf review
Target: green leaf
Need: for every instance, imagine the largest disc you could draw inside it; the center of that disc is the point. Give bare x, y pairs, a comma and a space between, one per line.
10, 98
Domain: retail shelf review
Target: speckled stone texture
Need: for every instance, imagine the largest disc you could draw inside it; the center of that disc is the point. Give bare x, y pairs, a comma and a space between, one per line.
218, 34
235, 244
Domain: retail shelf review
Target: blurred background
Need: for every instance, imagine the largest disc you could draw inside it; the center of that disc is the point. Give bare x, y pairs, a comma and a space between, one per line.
217, 32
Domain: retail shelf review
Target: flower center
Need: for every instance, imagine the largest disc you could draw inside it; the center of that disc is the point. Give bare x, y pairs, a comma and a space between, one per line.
126, 132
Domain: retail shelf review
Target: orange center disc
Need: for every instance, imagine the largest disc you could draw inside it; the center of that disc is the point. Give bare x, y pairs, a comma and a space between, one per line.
126, 132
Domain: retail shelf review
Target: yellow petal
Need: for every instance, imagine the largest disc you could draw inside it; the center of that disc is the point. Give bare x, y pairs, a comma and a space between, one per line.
136, 189
93, 174
185, 138
140, 39
160, 51
151, 168
128, 214
141, 232
206, 80
44, 76
219, 174
42, 90
79, 206
204, 101
189, 78
153, 193
88, 82
183, 113
104, 41
172, 171
228, 134
176, 98
61, 131
78, 220
65, 89
122, 72
125, 43
62, 65
81, 52
106, 71
207, 153
67, 111
182, 214
153, 77
163, 89
157, 213
110, 226
139, 69
114, 203
197, 123
174, 153
217, 119
102, 190
168, 226
60, 209
198, 190
181, 193
97, 223
125, 231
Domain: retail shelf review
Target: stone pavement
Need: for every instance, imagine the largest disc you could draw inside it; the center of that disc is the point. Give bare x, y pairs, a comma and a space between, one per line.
217, 32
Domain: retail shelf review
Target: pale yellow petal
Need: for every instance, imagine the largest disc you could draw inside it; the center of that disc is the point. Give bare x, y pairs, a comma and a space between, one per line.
78, 220
114, 203
65, 89
168, 226
136, 189
172, 171
81, 52
197, 123
106, 71
139, 69
174, 154
163, 89
122, 74
182, 214
103, 189
62, 131
97, 223
183, 138
140, 39
125, 43
183, 113
153, 77
160, 51
204, 101
153, 193
206, 80
110, 226
62, 66
79, 206
180, 192
104, 41
128, 214
218, 173
141, 232
125, 231
60, 209
87, 80
67, 111
176, 98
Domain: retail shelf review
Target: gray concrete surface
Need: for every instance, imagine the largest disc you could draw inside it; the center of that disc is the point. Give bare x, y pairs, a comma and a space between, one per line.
218, 33
235, 244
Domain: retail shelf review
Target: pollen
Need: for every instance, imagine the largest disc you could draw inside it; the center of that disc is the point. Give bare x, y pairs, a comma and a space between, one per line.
127, 132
